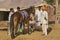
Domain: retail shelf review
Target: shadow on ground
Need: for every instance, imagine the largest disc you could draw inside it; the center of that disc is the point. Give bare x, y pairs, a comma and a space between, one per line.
4, 29
49, 30
26, 31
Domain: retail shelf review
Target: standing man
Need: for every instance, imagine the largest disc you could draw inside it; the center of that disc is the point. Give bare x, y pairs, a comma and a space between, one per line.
9, 18
24, 13
44, 20
18, 9
40, 14
37, 16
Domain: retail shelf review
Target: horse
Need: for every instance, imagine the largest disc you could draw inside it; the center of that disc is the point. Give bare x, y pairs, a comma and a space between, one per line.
18, 18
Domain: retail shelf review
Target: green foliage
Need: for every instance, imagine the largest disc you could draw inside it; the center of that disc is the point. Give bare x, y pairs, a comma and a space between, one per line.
50, 1
59, 1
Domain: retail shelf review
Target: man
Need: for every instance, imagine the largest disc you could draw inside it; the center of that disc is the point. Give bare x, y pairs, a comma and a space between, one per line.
32, 21
37, 16
23, 12
9, 18
18, 9
44, 20
40, 14
11, 12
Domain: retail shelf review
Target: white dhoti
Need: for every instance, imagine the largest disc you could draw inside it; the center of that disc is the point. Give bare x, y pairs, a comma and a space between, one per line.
44, 28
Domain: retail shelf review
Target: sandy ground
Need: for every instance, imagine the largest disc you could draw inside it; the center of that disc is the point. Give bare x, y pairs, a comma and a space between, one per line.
54, 34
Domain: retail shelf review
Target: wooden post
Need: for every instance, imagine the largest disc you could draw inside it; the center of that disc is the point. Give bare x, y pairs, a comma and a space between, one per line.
56, 21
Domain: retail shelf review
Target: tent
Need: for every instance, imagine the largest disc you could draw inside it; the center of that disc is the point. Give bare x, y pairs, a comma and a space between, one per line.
5, 5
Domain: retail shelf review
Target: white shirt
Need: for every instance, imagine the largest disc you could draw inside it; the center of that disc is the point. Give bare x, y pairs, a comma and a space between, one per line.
44, 15
40, 15
37, 15
24, 14
10, 16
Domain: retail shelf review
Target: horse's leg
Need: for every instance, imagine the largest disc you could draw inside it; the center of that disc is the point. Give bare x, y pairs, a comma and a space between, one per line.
28, 27
23, 26
20, 21
15, 25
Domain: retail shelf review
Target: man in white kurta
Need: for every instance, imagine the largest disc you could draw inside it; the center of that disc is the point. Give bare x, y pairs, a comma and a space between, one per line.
9, 17
37, 16
44, 20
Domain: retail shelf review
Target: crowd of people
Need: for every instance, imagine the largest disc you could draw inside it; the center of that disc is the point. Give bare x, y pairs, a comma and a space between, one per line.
40, 16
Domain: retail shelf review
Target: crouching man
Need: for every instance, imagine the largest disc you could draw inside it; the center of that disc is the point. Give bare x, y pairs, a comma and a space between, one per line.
32, 21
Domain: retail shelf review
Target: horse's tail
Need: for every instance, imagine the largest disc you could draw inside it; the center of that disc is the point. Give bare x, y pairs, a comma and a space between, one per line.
12, 27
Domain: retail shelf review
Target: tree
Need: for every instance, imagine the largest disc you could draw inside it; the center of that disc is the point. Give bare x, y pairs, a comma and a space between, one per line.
59, 1
50, 1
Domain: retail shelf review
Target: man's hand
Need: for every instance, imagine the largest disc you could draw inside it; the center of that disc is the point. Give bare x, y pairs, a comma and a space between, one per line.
45, 18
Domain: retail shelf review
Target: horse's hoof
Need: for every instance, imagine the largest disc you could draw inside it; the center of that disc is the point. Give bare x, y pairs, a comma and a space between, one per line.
12, 36
32, 30
29, 32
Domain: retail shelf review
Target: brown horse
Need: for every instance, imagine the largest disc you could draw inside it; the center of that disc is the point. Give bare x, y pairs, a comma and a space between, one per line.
16, 19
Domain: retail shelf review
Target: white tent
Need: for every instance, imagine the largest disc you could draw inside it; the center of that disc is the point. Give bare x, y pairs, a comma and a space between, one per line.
5, 5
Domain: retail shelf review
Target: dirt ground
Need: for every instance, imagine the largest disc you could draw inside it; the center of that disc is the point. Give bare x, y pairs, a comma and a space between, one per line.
54, 34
